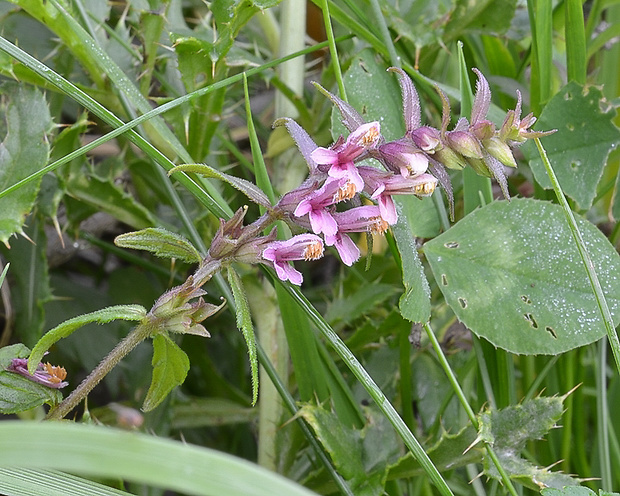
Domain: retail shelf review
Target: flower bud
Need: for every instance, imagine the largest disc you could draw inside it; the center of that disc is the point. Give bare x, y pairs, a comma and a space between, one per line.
404, 156
427, 139
450, 159
464, 143
500, 150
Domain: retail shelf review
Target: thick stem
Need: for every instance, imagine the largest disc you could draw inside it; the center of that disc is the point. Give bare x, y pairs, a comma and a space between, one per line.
122, 349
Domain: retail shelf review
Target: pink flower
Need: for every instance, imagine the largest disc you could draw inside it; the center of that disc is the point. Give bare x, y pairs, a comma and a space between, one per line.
358, 219
48, 375
301, 247
340, 157
315, 205
381, 186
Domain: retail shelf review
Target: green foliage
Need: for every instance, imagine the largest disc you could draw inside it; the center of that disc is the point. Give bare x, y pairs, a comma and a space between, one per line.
579, 149
507, 431
511, 273
103, 316
244, 323
161, 242
18, 393
24, 150
170, 367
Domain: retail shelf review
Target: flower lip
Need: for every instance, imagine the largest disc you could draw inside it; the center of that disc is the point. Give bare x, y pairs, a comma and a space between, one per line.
301, 247
52, 376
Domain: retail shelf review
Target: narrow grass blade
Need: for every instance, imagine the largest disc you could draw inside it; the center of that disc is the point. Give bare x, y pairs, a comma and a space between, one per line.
575, 41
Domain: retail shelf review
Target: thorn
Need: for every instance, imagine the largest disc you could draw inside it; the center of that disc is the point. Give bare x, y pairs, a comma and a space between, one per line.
475, 441
58, 231
27, 237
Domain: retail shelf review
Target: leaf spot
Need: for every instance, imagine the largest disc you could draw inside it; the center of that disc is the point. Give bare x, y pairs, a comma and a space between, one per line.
570, 127
530, 318
568, 96
575, 164
452, 244
526, 299
444, 280
463, 302
551, 331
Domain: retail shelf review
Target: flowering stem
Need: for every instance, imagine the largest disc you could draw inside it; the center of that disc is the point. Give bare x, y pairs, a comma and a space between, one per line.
145, 329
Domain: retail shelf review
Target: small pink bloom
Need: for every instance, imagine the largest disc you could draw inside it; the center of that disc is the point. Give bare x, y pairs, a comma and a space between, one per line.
46, 374
301, 247
359, 219
404, 156
341, 156
315, 205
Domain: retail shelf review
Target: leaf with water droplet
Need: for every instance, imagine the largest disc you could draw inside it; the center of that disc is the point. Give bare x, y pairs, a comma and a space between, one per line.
578, 151
514, 277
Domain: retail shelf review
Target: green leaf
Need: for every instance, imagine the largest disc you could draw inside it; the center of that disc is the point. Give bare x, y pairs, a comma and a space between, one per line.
253, 192
360, 456
103, 316
25, 150
25, 482
450, 452
244, 323
109, 453
161, 242
578, 151
106, 196
480, 16
570, 491
509, 429
18, 393
511, 273
170, 367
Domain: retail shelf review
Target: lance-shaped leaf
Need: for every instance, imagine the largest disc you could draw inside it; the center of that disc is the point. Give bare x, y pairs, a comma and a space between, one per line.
244, 323
509, 429
250, 190
103, 316
18, 393
25, 150
170, 367
160, 242
411, 101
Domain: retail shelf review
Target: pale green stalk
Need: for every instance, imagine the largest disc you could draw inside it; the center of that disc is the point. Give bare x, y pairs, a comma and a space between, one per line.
465, 404
602, 418
385, 33
585, 257
332, 48
292, 39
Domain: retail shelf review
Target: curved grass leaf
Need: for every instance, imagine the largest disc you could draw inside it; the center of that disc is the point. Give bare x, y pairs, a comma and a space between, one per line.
244, 323
512, 273
4, 272
170, 367
103, 316
115, 454
160, 242
25, 150
24, 482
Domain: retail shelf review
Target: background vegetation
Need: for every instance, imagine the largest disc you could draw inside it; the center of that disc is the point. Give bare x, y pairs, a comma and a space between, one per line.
75, 71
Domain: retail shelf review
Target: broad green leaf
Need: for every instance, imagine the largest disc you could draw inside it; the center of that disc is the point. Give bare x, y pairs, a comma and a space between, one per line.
509, 429
376, 95
511, 273
571, 491
578, 150
18, 393
170, 367
109, 453
253, 192
161, 242
244, 323
25, 482
480, 16
361, 457
24, 150
103, 316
